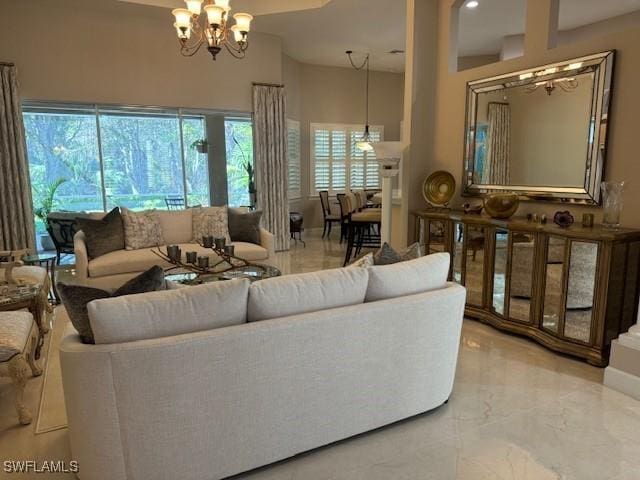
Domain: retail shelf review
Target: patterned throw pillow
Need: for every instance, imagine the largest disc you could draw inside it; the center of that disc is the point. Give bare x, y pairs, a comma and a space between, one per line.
211, 221
76, 297
141, 229
363, 262
387, 255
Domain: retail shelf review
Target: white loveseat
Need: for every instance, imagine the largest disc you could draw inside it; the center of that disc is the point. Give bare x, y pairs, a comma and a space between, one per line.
115, 268
323, 356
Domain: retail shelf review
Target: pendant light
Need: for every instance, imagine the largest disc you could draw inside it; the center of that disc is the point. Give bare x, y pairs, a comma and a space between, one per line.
364, 144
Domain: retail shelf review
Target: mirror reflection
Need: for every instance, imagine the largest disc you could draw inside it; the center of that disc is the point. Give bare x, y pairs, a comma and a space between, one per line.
474, 271
580, 290
522, 132
555, 267
500, 270
458, 251
521, 280
435, 233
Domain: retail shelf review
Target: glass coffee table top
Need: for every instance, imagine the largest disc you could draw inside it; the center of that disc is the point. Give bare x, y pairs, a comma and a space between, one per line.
252, 272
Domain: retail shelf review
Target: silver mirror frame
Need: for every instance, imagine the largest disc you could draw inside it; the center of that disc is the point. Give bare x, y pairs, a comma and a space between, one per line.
602, 65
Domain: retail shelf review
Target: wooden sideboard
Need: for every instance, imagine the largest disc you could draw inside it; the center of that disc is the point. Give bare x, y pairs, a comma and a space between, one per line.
573, 290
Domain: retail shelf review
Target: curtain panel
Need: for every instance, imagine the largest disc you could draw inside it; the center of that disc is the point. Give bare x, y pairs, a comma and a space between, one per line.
497, 169
16, 209
271, 166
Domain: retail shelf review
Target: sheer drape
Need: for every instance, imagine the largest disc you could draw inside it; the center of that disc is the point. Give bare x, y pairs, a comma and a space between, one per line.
496, 168
16, 210
270, 139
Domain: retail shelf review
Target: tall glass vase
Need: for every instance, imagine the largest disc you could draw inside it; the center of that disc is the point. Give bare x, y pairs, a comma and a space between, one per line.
612, 203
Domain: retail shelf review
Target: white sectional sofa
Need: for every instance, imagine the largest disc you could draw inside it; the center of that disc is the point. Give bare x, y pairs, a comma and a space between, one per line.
115, 268
205, 382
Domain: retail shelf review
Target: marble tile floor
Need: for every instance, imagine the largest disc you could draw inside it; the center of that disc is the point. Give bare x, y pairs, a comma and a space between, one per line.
517, 411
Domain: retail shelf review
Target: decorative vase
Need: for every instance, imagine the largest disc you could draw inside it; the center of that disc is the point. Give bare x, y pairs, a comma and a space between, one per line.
612, 203
563, 219
501, 205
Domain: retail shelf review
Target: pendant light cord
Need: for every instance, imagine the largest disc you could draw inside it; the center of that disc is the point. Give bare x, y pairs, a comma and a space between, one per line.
364, 64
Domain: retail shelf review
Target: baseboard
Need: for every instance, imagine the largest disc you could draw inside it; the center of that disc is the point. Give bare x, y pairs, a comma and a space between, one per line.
622, 381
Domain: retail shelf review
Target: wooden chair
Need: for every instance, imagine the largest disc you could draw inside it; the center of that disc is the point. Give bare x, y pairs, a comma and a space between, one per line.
329, 217
175, 203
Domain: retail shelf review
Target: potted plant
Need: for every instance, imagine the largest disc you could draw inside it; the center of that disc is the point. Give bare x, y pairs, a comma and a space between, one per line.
47, 203
252, 185
201, 146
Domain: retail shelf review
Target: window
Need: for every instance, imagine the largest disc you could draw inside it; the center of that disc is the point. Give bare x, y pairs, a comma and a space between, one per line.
108, 156
336, 164
239, 147
293, 154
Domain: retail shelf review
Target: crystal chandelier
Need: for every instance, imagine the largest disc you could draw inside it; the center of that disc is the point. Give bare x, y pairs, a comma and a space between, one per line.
195, 29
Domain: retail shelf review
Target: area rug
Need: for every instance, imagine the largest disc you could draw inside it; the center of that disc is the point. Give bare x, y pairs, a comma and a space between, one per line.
51, 413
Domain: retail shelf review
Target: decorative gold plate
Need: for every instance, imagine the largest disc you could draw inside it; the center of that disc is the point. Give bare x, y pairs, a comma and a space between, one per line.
438, 189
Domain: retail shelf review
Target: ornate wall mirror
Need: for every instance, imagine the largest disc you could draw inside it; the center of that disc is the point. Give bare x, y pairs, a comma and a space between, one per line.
540, 133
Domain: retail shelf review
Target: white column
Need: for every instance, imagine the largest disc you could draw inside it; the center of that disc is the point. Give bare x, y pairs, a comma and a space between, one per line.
387, 172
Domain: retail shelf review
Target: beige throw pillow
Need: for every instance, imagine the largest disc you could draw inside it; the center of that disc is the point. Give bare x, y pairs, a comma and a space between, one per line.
141, 229
210, 221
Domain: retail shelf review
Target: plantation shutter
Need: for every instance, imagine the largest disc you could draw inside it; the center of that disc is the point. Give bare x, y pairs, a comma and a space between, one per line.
293, 152
337, 164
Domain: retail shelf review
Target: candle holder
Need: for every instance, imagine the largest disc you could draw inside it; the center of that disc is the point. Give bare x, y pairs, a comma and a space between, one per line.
203, 262
220, 243
173, 252
207, 241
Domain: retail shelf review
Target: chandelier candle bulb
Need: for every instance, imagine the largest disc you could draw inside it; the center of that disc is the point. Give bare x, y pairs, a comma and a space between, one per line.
214, 14
238, 34
243, 21
194, 6
183, 17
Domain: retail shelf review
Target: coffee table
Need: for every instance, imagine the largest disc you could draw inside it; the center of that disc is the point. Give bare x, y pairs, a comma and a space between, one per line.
253, 272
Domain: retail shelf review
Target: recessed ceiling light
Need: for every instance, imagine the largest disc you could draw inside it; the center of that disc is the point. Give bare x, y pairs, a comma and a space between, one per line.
472, 4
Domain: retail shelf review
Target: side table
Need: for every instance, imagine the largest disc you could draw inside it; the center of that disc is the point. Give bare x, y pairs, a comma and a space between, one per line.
48, 262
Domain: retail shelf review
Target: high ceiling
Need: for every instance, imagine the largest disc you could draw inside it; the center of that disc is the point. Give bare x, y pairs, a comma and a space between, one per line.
483, 28
319, 31
321, 36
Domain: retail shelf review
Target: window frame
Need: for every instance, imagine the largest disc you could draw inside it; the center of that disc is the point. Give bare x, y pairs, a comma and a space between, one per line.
348, 130
98, 109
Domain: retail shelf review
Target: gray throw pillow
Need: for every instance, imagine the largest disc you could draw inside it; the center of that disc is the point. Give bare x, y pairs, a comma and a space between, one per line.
76, 297
244, 227
387, 255
103, 236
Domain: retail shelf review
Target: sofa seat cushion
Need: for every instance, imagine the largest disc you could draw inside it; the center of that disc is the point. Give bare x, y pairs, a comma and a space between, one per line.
125, 261
408, 278
250, 251
170, 312
14, 333
306, 292
133, 261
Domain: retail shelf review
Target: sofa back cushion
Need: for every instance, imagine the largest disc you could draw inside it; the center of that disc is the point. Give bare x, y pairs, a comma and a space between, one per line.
176, 225
408, 278
170, 312
306, 292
